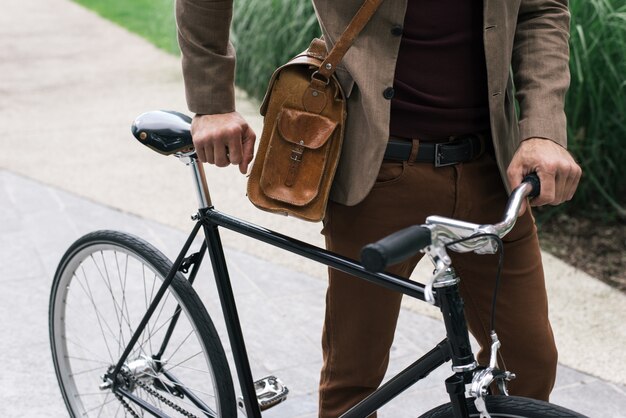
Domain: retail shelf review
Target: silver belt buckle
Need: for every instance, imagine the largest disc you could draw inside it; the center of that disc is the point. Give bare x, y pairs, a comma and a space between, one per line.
438, 156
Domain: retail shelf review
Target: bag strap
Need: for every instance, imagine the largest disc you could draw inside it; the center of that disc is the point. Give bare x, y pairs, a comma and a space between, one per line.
358, 22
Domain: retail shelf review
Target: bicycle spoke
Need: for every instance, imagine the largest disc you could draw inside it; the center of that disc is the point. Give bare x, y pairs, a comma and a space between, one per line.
123, 284
86, 359
102, 291
98, 318
81, 346
102, 408
117, 411
117, 309
180, 366
181, 344
184, 361
99, 406
84, 371
149, 329
98, 314
156, 321
158, 328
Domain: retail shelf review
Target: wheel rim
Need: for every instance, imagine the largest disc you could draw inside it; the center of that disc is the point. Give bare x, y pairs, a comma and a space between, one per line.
102, 294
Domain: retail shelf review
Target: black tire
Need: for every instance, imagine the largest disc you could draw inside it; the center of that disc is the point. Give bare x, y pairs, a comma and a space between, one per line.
508, 407
100, 292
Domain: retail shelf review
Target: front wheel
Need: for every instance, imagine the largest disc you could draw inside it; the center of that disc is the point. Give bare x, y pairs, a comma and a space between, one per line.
508, 407
102, 288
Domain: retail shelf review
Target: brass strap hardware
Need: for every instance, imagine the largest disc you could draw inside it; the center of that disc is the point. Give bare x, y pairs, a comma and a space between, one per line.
296, 159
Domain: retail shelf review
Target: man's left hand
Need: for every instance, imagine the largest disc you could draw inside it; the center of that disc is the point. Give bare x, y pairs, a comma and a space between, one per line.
558, 172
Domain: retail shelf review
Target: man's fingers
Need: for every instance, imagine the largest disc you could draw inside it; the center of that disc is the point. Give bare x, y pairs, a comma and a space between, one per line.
247, 150
201, 155
572, 184
569, 184
234, 150
558, 172
221, 155
219, 139
548, 187
515, 175
209, 154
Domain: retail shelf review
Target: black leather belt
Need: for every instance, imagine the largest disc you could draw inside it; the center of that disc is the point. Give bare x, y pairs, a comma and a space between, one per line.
440, 154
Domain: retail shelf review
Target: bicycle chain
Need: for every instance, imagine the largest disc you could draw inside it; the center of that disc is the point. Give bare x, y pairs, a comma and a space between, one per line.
126, 405
152, 392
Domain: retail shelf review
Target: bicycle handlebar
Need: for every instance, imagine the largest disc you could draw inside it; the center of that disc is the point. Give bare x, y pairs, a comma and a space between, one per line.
438, 230
395, 248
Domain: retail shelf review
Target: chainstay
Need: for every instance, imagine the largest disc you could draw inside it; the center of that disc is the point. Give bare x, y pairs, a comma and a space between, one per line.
152, 392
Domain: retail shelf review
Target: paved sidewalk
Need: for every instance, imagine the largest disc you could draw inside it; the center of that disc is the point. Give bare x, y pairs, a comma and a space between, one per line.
70, 85
281, 312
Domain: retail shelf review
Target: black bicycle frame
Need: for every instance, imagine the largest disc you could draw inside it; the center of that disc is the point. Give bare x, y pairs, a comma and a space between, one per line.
455, 347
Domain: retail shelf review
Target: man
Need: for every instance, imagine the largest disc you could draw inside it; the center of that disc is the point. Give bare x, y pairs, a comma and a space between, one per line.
423, 72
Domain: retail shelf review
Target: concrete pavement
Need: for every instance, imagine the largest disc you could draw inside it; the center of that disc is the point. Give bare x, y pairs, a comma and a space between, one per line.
70, 84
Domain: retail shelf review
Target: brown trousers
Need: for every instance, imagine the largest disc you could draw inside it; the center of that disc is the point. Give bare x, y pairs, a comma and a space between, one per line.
361, 317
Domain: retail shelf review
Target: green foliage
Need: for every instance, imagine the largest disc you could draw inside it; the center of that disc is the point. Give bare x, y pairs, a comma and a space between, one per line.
266, 34
596, 106
151, 19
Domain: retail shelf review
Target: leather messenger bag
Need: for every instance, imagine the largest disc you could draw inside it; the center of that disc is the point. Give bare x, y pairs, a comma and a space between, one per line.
304, 113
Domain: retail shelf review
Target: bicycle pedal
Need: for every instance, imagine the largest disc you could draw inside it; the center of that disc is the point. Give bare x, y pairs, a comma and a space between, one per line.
270, 391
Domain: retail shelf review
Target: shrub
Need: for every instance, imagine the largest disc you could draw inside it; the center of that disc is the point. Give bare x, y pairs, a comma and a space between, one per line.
266, 34
596, 106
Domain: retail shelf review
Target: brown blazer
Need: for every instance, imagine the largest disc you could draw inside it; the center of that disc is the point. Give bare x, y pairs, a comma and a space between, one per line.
528, 36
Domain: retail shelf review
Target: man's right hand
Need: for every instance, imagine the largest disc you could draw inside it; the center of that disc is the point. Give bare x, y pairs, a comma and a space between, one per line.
223, 139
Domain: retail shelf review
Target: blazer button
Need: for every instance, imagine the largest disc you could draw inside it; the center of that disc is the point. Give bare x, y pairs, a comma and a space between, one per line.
397, 30
389, 93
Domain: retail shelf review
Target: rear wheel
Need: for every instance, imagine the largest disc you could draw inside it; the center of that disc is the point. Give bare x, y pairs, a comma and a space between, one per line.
508, 407
102, 288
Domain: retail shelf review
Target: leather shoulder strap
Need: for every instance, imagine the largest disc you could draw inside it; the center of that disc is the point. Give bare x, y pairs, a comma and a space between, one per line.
365, 13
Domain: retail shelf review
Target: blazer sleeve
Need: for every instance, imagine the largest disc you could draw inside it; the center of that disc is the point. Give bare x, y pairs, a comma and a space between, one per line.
208, 57
541, 68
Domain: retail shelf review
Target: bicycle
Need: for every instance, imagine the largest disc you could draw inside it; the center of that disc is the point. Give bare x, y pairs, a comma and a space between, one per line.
163, 355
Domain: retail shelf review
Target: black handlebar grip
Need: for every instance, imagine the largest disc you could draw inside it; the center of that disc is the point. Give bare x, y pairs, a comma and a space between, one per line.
395, 248
533, 179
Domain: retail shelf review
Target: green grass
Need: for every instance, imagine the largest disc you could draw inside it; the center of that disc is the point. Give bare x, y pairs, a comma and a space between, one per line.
151, 19
266, 33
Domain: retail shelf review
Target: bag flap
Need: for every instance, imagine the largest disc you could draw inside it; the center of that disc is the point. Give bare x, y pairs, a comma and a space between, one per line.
307, 129
311, 57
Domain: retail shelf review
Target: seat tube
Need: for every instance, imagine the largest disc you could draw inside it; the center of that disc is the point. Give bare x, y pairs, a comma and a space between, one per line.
451, 305
231, 317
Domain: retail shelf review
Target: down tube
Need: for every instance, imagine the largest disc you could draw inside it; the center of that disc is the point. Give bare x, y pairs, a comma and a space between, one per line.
389, 281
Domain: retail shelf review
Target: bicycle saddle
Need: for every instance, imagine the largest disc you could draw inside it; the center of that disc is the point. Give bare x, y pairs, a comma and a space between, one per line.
164, 131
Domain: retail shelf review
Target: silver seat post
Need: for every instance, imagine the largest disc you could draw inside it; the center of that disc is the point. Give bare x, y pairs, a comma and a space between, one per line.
199, 178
